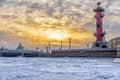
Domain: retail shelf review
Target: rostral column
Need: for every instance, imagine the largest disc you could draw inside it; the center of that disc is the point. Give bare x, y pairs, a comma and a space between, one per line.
100, 39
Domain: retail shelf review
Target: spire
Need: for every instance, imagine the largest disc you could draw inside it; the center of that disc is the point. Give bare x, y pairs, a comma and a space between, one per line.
2, 48
20, 47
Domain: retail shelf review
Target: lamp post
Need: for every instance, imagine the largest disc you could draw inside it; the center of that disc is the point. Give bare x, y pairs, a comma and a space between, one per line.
70, 43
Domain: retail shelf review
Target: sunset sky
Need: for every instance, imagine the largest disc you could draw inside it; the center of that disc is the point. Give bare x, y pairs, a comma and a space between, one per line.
37, 22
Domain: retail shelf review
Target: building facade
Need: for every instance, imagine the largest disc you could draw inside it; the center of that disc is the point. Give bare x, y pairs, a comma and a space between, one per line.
113, 43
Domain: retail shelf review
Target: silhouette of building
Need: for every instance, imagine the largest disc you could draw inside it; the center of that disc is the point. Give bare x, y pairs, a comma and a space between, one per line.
2, 48
20, 47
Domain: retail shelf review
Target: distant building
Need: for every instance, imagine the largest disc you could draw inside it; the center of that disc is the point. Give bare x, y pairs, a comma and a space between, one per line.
2, 48
113, 43
20, 47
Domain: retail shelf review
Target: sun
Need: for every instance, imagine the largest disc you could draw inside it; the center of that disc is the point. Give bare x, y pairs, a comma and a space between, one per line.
57, 34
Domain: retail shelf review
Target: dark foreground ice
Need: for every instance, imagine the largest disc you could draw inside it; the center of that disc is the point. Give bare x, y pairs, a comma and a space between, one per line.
59, 68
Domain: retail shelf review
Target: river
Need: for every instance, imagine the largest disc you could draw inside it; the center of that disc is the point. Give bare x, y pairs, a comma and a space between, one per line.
19, 68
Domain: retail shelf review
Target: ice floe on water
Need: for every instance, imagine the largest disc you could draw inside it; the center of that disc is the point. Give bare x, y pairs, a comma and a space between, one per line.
59, 68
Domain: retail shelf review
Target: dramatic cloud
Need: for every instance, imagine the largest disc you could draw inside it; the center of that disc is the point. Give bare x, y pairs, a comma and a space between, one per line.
36, 22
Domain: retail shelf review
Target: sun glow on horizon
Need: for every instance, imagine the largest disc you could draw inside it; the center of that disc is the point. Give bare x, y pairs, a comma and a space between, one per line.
57, 34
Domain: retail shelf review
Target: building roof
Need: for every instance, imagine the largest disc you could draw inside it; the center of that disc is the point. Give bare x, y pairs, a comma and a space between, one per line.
114, 39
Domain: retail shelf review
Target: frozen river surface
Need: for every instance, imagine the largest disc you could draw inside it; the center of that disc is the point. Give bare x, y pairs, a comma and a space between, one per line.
59, 69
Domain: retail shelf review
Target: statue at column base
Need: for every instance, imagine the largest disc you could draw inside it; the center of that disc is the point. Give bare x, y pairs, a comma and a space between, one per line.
100, 44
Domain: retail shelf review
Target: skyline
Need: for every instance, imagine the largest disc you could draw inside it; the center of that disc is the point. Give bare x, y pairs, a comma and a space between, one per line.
37, 22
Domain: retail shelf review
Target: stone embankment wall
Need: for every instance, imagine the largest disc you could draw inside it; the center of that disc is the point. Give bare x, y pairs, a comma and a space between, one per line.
106, 53
118, 52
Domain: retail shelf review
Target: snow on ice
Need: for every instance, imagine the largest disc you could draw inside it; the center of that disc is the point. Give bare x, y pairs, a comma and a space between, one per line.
59, 68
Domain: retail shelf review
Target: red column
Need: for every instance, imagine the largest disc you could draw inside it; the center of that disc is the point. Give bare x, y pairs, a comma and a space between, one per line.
99, 26
100, 39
